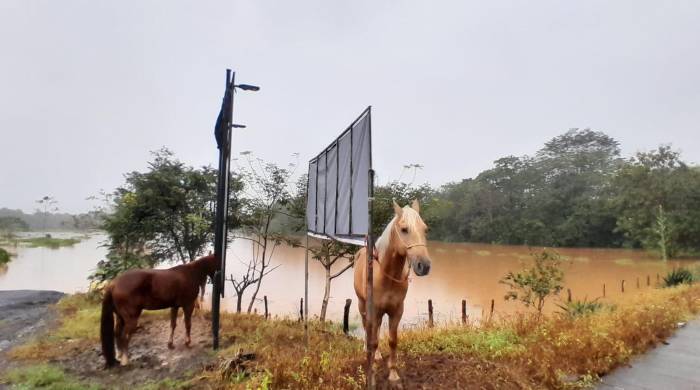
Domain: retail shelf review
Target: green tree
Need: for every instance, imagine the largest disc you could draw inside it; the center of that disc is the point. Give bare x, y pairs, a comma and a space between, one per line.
162, 215
533, 285
657, 201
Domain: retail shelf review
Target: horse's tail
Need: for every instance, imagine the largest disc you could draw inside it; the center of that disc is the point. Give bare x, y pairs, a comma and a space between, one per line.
107, 328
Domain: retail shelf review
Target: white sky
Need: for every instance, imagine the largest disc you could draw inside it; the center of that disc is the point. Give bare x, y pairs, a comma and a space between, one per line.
88, 88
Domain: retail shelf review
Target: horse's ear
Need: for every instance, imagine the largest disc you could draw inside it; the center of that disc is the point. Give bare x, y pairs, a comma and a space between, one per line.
397, 209
415, 205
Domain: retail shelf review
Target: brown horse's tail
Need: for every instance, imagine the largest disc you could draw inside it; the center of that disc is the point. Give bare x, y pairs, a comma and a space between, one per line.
107, 328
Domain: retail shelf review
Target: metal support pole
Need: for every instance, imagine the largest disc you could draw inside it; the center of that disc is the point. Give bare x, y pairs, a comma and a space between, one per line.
222, 195
370, 283
306, 294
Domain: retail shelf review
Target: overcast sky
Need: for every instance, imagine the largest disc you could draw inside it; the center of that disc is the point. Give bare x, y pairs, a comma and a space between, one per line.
88, 88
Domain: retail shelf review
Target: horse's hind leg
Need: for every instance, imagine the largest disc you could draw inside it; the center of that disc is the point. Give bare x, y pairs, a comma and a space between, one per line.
188, 321
119, 332
362, 307
173, 324
394, 319
130, 324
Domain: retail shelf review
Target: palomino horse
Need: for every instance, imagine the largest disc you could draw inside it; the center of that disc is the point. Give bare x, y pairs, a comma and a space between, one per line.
151, 289
400, 248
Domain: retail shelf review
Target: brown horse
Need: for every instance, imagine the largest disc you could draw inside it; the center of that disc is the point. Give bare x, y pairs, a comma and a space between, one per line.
400, 248
151, 289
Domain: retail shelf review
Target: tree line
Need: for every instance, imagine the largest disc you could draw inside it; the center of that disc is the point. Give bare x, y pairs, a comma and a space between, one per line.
576, 191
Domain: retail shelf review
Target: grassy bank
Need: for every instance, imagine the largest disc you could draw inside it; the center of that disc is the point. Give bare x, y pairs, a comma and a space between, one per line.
559, 351
49, 242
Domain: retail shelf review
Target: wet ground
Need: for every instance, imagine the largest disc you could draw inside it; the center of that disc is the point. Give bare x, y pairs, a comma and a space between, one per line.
150, 360
23, 315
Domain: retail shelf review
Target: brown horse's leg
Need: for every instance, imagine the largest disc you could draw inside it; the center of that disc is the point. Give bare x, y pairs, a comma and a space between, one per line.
173, 324
130, 324
188, 321
119, 331
394, 319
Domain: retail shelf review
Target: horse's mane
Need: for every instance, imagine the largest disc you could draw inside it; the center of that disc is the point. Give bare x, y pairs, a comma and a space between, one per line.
411, 217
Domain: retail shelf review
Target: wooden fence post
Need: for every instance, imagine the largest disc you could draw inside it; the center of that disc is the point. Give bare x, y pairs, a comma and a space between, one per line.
622, 285
301, 310
430, 313
346, 316
266, 312
657, 279
464, 311
648, 281
637, 281
603, 290
568, 292
492, 304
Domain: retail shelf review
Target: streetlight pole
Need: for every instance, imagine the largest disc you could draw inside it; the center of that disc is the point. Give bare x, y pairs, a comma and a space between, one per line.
222, 132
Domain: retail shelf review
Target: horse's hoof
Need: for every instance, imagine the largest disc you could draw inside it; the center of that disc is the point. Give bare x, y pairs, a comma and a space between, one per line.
377, 356
395, 380
171, 345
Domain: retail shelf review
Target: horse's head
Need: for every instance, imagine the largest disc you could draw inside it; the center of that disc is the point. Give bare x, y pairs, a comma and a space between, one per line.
210, 265
410, 231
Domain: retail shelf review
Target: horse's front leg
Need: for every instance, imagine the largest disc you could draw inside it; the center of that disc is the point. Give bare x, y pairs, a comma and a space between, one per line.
188, 321
173, 324
394, 319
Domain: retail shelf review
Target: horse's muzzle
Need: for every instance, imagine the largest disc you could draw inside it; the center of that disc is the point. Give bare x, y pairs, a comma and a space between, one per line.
421, 266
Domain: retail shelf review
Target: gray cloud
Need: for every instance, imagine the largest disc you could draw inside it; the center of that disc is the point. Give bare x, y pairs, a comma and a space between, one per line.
88, 88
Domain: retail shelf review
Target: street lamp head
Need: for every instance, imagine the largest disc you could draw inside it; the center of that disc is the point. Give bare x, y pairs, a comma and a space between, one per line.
235, 126
248, 87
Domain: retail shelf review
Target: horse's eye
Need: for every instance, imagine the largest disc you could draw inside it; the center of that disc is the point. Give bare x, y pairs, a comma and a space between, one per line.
404, 230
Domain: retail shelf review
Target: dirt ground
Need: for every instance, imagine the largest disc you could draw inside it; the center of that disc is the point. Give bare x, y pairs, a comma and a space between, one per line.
150, 360
451, 372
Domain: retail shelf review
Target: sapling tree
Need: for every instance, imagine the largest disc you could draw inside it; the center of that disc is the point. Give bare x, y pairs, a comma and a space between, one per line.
328, 253
265, 199
534, 284
47, 204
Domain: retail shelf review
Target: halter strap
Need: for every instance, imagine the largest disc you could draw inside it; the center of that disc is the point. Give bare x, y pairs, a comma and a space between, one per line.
398, 234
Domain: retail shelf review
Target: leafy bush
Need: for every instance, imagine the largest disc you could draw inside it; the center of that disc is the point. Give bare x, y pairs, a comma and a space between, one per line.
4, 256
115, 264
534, 284
580, 308
678, 276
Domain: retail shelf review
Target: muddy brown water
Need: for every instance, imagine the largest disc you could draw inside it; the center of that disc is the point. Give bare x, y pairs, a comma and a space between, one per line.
459, 271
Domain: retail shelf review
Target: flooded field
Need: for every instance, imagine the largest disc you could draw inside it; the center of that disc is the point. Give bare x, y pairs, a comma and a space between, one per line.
460, 271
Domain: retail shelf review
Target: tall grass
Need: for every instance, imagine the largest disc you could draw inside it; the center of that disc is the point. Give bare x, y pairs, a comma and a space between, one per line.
518, 351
